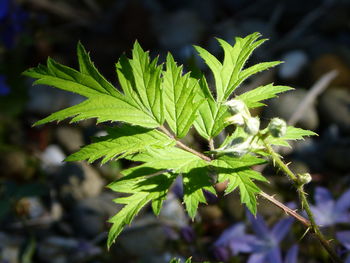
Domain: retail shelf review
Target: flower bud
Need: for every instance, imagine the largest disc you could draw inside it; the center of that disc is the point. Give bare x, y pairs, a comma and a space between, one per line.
236, 119
304, 178
252, 126
277, 127
237, 106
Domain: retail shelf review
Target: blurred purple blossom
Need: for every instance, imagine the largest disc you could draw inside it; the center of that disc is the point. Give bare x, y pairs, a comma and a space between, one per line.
266, 246
188, 234
344, 239
232, 241
12, 20
4, 88
329, 212
4, 6
263, 246
292, 255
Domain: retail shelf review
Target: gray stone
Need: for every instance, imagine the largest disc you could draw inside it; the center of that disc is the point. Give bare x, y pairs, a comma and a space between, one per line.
90, 215
10, 248
57, 249
172, 212
52, 157
77, 181
150, 235
287, 104
70, 138
45, 100
294, 62
334, 108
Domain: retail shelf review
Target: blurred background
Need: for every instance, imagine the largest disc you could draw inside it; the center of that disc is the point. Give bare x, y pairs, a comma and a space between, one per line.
56, 212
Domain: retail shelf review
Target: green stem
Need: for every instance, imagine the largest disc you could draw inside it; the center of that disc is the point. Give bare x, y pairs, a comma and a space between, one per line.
277, 161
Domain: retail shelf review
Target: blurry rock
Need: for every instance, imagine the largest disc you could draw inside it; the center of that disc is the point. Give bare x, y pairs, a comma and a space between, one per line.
57, 249
52, 157
45, 100
286, 105
334, 108
15, 165
173, 212
90, 215
330, 62
294, 62
10, 248
150, 235
210, 213
30, 207
70, 138
76, 181
178, 29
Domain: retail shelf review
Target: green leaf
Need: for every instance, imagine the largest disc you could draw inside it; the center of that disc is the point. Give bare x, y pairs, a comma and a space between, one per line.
239, 175
211, 115
121, 142
171, 158
230, 74
143, 189
194, 182
104, 108
104, 102
194, 171
292, 133
179, 98
252, 98
140, 79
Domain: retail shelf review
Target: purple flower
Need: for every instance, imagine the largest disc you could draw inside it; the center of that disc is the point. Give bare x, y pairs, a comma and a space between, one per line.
4, 88
344, 239
329, 212
265, 247
188, 234
12, 20
4, 6
232, 241
292, 255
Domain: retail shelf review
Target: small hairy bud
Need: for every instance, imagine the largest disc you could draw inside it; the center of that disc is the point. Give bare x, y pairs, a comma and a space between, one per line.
237, 106
304, 178
236, 119
277, 127
252, 126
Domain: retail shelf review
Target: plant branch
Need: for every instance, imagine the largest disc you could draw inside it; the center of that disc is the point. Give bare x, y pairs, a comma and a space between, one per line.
277, 161
286, 209
184, 146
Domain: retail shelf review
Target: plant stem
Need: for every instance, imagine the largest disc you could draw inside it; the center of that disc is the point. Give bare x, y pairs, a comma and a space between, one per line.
277, 161
184, 146
211, 145
286, 209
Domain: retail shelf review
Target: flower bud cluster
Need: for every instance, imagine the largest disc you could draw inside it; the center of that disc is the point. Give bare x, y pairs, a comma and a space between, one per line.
242, 117
277, 127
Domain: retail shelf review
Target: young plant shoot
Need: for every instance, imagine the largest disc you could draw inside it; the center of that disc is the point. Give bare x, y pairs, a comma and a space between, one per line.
156, 105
